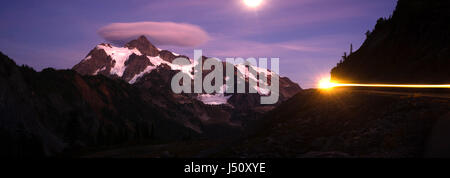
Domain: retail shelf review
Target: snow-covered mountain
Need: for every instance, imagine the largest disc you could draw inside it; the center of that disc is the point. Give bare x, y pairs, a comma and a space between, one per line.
140, 57
129, 63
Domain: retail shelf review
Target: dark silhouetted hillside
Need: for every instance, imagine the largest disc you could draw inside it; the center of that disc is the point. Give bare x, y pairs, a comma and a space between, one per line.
53, 111
351, 123
412, 46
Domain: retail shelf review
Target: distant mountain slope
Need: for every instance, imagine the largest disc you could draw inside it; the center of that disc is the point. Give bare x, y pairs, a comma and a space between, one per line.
413, 46
139, 58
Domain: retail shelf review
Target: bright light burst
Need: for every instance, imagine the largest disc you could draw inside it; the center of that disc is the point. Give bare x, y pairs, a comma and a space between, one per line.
327, 84
253, 3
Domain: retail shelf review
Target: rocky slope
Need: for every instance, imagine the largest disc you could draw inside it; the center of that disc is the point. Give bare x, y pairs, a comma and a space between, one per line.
351, 123
139, 58
412, 46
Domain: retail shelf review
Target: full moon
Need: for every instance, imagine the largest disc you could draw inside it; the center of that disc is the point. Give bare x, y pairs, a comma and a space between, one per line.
253, 3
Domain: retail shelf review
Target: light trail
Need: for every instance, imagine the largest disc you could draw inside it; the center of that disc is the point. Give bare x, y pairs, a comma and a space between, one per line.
390, 85
327, 84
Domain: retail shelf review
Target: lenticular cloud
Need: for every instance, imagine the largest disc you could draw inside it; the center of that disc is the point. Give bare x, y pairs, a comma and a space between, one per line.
159, 33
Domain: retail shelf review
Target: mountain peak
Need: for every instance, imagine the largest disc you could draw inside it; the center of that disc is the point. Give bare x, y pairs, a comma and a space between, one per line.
143, 39
144, 46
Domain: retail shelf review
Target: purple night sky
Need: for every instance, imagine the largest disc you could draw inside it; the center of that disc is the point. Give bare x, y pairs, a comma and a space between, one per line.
308, 36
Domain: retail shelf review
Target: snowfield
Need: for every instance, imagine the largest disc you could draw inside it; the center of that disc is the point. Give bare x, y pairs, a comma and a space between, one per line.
121, 54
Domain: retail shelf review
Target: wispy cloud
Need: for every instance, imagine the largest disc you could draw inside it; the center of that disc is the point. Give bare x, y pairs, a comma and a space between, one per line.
159, 33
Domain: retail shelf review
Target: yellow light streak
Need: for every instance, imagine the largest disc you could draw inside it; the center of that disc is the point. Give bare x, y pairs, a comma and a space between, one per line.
327, 84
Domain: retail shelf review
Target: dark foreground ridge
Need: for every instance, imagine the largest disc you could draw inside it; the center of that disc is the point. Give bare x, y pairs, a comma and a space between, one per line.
49, 112
412, 47
346, 123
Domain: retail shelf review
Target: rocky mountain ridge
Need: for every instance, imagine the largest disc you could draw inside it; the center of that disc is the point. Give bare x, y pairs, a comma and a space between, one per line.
139, 58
